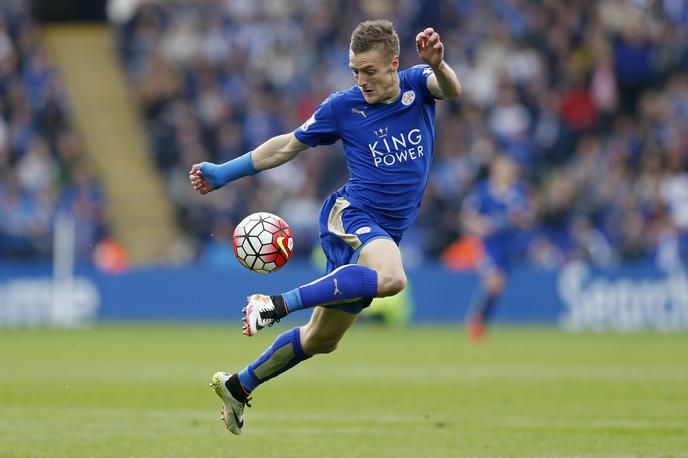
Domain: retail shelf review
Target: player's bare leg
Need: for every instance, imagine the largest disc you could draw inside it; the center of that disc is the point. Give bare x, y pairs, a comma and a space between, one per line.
325, 329
383, 256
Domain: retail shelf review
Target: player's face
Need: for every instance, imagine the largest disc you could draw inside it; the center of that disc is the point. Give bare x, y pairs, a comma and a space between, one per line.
504, 171
376, 75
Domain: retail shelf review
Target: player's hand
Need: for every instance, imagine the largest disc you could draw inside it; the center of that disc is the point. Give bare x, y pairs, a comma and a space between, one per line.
198, 181
429, 47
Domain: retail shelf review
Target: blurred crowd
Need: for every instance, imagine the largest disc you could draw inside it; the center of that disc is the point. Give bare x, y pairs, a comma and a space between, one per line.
590, 98
43, 169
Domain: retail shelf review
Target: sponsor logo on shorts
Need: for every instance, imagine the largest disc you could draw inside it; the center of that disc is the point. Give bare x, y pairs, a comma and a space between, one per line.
363, 230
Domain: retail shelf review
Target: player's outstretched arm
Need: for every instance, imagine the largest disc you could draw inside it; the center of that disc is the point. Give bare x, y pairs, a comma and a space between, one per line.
443, 83
206, 177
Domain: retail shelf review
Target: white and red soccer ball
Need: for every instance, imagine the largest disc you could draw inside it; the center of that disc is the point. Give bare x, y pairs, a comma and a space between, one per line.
263, 242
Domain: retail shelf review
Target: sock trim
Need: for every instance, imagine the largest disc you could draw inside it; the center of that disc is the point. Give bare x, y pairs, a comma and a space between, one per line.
296, 344
248, 380
369, 283
293, 297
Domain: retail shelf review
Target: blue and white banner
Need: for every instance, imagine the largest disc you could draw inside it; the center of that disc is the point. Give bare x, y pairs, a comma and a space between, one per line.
625, 299
579, 298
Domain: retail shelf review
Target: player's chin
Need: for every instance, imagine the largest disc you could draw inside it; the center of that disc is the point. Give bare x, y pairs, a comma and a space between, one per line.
370, 97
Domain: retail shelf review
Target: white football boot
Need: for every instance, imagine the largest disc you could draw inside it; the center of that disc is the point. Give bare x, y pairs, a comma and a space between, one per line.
258, 313
232, 413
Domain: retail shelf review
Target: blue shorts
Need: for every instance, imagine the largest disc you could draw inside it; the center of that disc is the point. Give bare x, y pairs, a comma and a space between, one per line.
344, 231
497, 257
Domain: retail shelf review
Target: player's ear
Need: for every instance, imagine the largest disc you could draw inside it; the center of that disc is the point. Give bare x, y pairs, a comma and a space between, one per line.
395, 62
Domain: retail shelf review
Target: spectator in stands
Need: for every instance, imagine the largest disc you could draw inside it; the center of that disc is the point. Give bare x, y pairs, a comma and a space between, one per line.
43, 169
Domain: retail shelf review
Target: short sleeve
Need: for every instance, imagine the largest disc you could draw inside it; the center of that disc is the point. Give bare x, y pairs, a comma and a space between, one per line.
321, 128
418, 76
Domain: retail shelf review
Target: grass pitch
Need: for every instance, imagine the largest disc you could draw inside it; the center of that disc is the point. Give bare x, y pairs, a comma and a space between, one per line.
143, 391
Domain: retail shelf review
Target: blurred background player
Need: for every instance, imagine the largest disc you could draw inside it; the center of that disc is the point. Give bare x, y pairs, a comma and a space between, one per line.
387, 125
497, 211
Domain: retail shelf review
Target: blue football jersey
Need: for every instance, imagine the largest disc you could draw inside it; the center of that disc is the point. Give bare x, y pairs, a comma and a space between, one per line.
388, 147
497, 209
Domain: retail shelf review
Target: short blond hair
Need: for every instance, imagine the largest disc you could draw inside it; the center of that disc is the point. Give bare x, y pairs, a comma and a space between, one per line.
375, 34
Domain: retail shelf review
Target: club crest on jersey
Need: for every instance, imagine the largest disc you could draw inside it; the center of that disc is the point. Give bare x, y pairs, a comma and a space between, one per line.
408, 98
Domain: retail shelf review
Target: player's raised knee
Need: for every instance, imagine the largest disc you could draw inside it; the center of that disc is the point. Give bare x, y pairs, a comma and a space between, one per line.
390, 283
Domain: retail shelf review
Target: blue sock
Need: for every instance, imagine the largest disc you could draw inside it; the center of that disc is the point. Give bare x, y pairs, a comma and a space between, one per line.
283, 354
344, 284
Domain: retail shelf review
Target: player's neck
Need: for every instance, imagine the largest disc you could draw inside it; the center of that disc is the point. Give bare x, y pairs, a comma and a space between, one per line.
394, 93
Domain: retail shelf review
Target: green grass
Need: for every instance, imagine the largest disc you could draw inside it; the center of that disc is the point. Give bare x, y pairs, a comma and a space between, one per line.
143, 391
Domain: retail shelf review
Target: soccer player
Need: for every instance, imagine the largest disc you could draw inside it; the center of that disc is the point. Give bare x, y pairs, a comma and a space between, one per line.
496, 211
386, 122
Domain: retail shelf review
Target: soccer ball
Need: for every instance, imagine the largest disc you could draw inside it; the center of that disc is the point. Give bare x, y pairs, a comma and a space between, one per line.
263, 242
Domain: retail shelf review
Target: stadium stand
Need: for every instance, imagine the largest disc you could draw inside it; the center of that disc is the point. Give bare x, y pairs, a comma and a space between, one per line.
593, 108
140, 214
43, 166
590, 97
